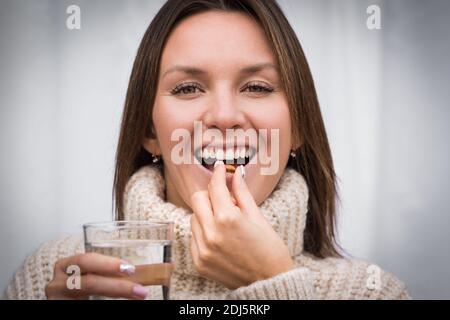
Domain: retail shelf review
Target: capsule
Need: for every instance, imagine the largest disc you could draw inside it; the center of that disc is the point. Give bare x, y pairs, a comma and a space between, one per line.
230, 168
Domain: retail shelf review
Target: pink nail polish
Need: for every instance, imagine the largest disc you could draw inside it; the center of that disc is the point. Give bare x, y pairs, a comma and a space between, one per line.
140, 291
127, 268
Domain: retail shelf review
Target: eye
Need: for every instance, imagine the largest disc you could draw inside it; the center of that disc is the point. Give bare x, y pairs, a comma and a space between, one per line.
185, 89
258, 88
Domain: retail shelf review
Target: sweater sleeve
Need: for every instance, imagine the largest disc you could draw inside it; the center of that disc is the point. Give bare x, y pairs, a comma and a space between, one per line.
30, 280
330, 278
296, 284
350, 279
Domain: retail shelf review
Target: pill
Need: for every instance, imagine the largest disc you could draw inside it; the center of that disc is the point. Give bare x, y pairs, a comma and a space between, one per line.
230, 168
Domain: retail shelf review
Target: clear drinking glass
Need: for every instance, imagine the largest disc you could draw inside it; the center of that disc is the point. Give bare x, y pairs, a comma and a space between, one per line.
145, 244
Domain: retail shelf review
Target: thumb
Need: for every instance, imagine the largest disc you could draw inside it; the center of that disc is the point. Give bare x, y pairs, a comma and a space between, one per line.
242, 194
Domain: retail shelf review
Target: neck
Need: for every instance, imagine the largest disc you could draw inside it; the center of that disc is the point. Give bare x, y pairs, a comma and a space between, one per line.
171, 194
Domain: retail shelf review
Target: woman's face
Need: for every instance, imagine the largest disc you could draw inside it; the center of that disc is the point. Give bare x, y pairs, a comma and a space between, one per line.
205, 77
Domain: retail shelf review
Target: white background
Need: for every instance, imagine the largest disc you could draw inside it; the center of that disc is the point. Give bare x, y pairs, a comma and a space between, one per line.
384, 96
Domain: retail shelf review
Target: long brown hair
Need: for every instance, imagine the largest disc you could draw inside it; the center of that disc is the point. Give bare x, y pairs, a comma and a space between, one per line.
313, 158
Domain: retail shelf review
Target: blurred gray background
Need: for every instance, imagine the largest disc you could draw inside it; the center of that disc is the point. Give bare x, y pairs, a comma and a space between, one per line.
384, 95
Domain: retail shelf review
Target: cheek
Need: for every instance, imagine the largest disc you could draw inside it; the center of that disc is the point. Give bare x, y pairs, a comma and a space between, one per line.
167, 120
278, 118
275, 117
283, 122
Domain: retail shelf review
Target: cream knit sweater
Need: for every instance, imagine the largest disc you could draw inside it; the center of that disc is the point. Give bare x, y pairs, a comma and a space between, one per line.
285, 209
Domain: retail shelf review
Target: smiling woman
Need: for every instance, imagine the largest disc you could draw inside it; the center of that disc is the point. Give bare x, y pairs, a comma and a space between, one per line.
244, 78
230, 65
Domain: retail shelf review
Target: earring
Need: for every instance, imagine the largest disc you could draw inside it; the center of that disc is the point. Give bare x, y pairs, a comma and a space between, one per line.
293, 155
155, 159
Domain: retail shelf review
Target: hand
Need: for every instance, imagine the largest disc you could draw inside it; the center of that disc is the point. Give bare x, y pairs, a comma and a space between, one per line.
232, 243
100, 275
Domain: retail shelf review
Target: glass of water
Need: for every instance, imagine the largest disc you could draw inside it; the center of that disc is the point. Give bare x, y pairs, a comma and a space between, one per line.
145, 244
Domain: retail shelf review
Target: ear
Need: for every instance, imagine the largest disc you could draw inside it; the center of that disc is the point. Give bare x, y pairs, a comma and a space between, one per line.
152, 146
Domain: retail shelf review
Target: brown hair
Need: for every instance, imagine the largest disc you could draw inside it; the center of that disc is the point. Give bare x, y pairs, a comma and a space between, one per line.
313, 158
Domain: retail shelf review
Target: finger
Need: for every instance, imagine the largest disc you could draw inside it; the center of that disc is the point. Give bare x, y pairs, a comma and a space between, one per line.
243, 196
197, 246
194, 245
202, 209
194, 249
197, 231
98, 264
200, 237
198, 234
93, 284
218, 191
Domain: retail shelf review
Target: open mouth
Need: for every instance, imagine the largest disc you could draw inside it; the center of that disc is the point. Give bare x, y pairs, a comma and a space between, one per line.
233, 156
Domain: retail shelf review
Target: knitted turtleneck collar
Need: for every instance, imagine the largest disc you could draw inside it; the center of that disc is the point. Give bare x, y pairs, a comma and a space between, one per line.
285, 209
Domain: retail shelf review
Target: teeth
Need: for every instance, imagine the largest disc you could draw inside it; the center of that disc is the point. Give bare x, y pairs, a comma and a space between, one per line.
219, 154
237, 155
229, 154
242, 153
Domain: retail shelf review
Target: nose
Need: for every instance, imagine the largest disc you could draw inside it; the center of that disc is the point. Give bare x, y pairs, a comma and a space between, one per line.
224, 112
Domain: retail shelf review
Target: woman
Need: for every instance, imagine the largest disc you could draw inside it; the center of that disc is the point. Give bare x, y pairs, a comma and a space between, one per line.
218, 65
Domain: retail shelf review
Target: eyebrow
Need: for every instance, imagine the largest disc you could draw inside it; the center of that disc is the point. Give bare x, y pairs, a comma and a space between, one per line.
193, 71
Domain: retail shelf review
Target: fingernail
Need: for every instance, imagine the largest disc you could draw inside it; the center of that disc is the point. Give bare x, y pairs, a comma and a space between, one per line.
127, 268
140, 291
242, 171
218, 162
